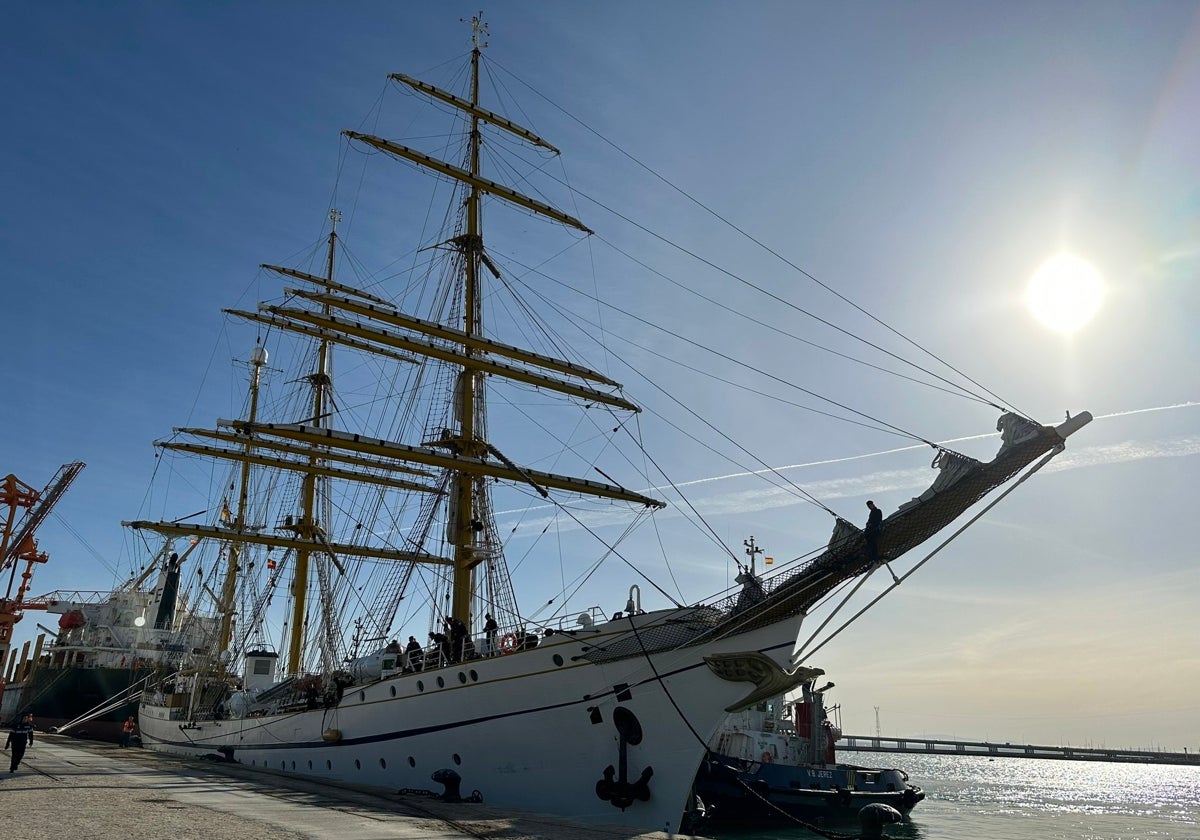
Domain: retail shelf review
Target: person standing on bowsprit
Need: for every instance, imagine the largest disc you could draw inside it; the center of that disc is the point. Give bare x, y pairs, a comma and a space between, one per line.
19, 737
871, 532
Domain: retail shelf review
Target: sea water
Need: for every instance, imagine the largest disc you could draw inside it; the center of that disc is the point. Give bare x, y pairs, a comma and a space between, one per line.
976, 798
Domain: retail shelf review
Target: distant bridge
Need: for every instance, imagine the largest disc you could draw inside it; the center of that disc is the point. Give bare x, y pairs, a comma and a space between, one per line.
931, 746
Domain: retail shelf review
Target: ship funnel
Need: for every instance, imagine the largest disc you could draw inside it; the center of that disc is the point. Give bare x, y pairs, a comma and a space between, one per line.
168, 594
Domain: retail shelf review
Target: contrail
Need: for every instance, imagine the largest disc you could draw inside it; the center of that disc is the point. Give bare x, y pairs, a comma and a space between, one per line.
890, 480
881, 452
1148, 410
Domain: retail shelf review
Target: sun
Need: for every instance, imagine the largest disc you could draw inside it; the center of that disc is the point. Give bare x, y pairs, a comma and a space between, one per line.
1065, 292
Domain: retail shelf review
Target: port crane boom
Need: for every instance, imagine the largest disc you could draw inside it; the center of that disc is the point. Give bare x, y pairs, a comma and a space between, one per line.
17, 543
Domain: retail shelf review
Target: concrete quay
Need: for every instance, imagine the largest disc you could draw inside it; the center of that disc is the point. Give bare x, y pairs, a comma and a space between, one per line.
72, 788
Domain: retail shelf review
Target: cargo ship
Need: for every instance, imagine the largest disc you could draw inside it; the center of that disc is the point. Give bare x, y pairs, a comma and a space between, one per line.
86, 679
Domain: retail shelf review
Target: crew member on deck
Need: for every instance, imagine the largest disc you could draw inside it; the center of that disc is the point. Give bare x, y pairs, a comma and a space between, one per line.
416, 657
457, 631
442, 644
491, 630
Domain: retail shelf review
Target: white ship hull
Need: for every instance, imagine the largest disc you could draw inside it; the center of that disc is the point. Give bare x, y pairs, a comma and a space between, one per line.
519, 729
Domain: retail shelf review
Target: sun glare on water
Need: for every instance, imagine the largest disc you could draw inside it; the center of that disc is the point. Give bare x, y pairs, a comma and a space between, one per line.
1065, 292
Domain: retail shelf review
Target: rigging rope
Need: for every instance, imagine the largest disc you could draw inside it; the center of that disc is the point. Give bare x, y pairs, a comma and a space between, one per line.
704, 745
706, 347
800, 655
766, 248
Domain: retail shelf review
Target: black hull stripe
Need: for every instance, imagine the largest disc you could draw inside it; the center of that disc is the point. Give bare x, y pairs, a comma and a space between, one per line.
442, 727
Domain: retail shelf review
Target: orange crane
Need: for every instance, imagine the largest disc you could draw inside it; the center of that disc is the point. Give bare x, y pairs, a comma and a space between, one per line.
17, 544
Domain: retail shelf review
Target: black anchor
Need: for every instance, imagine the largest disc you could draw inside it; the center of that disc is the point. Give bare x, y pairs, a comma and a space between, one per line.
621, 792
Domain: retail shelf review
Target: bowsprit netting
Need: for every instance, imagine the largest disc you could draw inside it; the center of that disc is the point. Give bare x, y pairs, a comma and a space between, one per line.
961, 483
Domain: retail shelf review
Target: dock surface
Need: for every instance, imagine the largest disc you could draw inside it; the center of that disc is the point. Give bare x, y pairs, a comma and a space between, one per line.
72, 788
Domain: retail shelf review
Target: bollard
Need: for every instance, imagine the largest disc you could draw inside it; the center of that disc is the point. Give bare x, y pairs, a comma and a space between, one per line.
451, 781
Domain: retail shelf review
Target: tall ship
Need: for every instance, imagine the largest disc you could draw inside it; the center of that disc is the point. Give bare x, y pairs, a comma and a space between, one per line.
352, 568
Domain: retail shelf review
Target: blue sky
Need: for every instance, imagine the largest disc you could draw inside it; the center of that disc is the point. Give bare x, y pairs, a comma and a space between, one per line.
922, 158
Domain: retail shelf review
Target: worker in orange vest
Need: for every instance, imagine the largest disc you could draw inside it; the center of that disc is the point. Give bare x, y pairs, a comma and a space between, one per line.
127, 730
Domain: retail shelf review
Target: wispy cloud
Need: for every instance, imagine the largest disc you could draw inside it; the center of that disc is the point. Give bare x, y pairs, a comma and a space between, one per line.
917, 446
917, 479
1126, 451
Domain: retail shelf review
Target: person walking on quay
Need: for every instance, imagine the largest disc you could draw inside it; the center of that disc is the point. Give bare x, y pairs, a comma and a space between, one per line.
19, 737
127, 730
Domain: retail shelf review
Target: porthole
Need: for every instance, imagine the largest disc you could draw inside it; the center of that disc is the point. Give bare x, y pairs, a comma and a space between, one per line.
382, 764
362, 696
310, 764
474, 676
328, 765
457, 758
393, 691
441, 683
558, 660
283, 765
357, 764
293, 765
412, 762
462, 678
420, 685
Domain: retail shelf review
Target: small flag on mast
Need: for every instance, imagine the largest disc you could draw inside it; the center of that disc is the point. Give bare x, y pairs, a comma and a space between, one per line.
768, 560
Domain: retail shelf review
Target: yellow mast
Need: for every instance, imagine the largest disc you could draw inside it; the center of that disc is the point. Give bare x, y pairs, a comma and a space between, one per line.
308, 528
356, 319
470, 384
229, 586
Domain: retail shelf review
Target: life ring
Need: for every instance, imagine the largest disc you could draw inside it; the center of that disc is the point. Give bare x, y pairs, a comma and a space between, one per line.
508, 643
767, 758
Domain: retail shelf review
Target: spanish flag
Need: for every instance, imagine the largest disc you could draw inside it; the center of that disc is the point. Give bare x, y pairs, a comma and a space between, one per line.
768, 560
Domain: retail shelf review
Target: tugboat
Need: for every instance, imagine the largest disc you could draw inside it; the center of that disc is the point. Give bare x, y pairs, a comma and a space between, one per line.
776, 761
